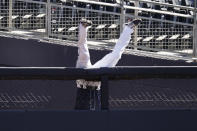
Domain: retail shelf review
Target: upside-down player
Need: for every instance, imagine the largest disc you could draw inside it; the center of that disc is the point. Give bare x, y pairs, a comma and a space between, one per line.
88, 92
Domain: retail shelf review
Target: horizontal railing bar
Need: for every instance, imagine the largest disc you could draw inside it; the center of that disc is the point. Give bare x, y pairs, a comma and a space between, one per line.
166, 4
85, 9
115, 73
31, 1
158, 11
160, 20
95, 2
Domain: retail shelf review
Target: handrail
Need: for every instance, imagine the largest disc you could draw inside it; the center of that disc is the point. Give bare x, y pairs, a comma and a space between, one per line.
85, 9
166, 4
95, 2
158, 11
31, 1
160, 20
115, 73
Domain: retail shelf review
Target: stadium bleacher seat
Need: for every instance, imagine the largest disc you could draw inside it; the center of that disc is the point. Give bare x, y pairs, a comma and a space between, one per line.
26, 21
174, 37
27, 16
160, 38
100, 31
14, 17
186, 36
72, 28
61, 29
148, 39
113, 26
99, 27
40, 15
72, 32
1, 17
139, 38
112, 31
39, 30
15, 20
40, 19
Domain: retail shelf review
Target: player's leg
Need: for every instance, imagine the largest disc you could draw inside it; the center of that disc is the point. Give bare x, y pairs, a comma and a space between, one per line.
83, 96
112, 58
83, 60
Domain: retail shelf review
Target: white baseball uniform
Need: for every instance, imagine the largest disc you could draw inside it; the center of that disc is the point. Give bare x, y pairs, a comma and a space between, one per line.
110, 60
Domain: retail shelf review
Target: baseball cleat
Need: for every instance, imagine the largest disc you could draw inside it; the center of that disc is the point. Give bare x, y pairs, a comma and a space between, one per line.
134, 22
85, 22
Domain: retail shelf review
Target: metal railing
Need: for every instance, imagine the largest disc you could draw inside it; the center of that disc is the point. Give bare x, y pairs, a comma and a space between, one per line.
161, 30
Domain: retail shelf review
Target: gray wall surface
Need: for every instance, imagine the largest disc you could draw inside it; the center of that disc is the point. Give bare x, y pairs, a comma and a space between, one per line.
17, 52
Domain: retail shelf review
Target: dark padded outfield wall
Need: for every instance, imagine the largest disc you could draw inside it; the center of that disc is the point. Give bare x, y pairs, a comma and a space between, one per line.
39, 94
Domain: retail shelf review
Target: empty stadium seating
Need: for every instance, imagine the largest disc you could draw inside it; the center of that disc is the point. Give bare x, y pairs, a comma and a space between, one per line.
65, 17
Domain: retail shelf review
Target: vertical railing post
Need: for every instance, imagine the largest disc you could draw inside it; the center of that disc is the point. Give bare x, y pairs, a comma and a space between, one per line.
195, 31
10, 15
104, 93
48, 18
136, 28
122, 17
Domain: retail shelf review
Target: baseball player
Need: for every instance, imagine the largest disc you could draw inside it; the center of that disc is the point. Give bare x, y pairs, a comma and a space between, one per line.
88, 92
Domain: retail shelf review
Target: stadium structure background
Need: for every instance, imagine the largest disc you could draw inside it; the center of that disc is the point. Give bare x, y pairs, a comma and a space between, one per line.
43, 33
168, 27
